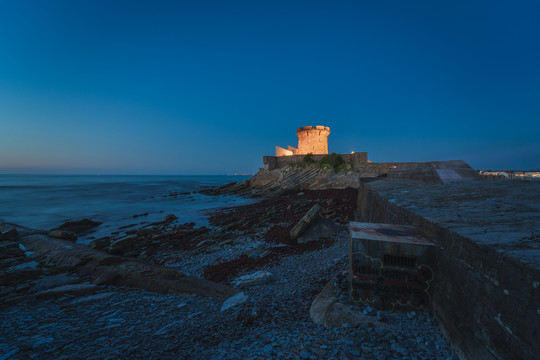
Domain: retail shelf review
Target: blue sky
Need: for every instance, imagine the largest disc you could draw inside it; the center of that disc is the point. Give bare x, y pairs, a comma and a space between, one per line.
199, 87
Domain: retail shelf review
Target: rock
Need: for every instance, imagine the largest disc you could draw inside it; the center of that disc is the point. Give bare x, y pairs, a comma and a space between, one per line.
139, 215
145, 231
165, 329
265, 253
122, 245
226, 242
91, 298
40, 341
26, 265
212, 249
108, 269
233, 301
327, 311
320, 228
9, 354
79, 227
402, 350
74, 289
205, 242
54, 281
60, 234
9, 235
170, 218
367, 350
305, 221
10, 250
257, 277
101, 243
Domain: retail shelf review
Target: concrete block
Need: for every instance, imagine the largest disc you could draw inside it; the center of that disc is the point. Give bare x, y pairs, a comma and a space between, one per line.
392, 267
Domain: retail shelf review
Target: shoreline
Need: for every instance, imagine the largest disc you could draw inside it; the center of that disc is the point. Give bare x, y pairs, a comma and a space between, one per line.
273, 322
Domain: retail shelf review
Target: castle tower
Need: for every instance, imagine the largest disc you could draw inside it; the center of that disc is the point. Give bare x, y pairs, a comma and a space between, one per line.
312, 140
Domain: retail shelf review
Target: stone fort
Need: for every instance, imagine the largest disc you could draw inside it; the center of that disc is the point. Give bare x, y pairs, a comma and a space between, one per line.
314, 140
311, 140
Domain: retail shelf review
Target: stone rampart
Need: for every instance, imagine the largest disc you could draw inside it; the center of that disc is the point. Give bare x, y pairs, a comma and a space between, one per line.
312, 140
356, 160
487, 296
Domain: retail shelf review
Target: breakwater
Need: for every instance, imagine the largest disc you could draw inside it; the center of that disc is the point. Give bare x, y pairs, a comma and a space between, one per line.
487, 294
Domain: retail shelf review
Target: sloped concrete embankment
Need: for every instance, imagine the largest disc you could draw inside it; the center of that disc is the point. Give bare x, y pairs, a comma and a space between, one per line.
486, 298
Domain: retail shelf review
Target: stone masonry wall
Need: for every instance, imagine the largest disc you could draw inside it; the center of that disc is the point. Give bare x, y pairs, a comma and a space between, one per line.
487, 303
277, 162
358, 160
312, 140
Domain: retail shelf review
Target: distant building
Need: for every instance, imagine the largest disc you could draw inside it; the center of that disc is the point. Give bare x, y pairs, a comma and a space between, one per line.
508, 174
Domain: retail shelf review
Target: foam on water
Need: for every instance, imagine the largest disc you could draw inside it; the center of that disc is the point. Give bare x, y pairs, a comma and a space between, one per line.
47, 201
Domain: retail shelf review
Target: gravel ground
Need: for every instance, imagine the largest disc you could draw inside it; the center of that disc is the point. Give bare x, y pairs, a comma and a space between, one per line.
273, 323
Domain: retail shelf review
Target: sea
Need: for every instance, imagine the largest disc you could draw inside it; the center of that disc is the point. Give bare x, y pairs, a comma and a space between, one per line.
47, 201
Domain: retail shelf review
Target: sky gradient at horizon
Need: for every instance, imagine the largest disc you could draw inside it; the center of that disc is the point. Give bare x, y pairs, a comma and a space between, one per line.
209, 87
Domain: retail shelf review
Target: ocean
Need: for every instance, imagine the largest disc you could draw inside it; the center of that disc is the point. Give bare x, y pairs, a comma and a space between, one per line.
47, 201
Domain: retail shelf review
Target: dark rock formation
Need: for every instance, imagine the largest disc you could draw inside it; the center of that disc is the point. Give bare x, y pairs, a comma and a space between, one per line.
79, 227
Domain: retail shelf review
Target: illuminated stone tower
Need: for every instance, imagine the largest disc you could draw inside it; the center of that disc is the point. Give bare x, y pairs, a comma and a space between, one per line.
312, 140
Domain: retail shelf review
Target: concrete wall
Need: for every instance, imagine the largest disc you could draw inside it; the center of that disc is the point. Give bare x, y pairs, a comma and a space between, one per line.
478, 288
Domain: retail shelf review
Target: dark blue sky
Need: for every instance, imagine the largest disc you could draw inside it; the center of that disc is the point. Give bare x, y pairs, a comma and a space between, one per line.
200, 87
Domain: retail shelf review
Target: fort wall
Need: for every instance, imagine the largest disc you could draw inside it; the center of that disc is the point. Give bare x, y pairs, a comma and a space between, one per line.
277, 162
358, 161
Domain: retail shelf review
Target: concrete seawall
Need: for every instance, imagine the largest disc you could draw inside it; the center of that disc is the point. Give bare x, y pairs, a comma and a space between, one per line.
487, 293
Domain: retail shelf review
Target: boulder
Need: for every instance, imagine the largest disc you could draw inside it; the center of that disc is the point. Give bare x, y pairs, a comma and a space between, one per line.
10, 250
122, 245
8, 235
305, 221
320, 228
101, 243
91, 298
257, 277
54, 281
73, 289
61, 234
108, 269
326, 310
79, 227
233, 301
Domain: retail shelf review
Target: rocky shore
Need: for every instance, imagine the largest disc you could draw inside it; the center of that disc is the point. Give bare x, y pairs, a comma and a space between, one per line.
259, 285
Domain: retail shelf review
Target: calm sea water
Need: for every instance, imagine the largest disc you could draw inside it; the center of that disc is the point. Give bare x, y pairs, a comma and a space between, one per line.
47, 201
